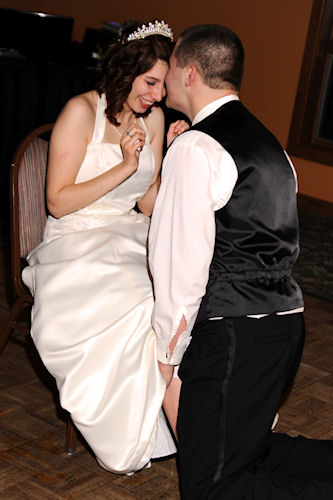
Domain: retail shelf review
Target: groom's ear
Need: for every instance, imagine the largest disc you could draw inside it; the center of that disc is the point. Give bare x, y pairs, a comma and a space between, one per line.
191, 73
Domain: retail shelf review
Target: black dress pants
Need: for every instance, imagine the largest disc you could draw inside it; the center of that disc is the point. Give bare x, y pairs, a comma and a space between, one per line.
234, 374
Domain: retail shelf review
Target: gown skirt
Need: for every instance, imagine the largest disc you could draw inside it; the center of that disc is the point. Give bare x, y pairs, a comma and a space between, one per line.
91, 323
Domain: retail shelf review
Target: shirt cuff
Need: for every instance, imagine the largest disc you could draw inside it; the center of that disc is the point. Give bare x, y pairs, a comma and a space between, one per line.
163, 353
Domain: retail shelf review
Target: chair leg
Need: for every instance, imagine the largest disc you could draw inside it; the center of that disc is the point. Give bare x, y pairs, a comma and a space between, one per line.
71, 433
9, 325
70, 447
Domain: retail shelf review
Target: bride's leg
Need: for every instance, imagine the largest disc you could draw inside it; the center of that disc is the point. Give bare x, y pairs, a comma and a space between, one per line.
171, 402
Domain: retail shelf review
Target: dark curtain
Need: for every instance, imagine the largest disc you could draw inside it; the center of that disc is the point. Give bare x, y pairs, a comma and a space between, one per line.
33, 94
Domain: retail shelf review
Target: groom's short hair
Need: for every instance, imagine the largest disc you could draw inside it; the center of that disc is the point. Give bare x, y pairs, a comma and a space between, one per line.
216, 51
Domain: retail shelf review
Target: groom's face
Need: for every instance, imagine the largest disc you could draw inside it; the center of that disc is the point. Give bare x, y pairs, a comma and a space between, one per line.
174, 84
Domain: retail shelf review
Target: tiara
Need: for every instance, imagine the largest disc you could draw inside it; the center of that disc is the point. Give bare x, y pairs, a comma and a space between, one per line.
158, 28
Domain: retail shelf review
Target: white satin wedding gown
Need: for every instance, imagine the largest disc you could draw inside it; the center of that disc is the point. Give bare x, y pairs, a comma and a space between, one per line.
91, 319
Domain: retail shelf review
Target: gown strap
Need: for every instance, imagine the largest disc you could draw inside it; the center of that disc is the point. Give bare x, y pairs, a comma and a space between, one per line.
100, 121
145, 128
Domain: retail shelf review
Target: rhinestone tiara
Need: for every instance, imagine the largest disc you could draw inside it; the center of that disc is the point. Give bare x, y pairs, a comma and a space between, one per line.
156, 28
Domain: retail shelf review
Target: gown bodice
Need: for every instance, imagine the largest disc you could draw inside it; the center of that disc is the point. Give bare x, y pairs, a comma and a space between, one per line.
101, 156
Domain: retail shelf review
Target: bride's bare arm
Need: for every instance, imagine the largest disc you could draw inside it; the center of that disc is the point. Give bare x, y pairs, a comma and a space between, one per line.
70, 137
155, 125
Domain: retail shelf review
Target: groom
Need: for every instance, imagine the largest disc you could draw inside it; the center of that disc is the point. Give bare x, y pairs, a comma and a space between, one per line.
223, 239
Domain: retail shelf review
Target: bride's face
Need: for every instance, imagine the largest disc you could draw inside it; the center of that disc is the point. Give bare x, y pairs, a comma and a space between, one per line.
148, 88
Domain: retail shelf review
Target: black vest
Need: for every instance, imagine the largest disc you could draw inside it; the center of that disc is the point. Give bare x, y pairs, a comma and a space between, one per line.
257, 231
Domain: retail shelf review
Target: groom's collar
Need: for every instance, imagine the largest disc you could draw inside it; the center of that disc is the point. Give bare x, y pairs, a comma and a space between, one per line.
213, 106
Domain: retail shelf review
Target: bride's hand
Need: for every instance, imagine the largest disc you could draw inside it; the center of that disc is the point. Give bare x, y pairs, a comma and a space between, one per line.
131, 143
175, 129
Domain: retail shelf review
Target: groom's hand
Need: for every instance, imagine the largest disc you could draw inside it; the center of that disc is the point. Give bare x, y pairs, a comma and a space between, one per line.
166, 371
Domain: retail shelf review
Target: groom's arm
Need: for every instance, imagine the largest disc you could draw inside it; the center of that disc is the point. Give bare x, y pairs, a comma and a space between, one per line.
182, 236
179, 258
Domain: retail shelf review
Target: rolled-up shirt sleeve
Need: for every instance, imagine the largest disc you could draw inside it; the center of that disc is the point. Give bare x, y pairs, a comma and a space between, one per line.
198, 177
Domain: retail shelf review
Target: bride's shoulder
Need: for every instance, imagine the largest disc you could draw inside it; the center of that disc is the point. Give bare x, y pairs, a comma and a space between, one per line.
82, 106
80, 111
156, 115
155, 120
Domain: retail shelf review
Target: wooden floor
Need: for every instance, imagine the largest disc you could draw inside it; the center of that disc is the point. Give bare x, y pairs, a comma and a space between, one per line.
34, 466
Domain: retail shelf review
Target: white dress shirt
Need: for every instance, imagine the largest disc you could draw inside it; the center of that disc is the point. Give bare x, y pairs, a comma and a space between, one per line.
198, 178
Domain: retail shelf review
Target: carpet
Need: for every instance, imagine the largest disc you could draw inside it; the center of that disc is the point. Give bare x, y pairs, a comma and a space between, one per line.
314, 267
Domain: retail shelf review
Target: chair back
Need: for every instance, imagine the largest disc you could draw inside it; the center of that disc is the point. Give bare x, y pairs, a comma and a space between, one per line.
28, 208
28, 217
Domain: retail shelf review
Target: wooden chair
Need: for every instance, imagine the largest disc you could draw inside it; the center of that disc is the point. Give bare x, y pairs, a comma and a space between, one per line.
28, 217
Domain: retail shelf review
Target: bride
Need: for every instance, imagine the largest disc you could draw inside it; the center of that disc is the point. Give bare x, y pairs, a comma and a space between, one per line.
91, 319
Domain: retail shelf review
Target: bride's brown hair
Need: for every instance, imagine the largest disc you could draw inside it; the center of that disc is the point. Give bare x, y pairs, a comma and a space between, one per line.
124, 61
